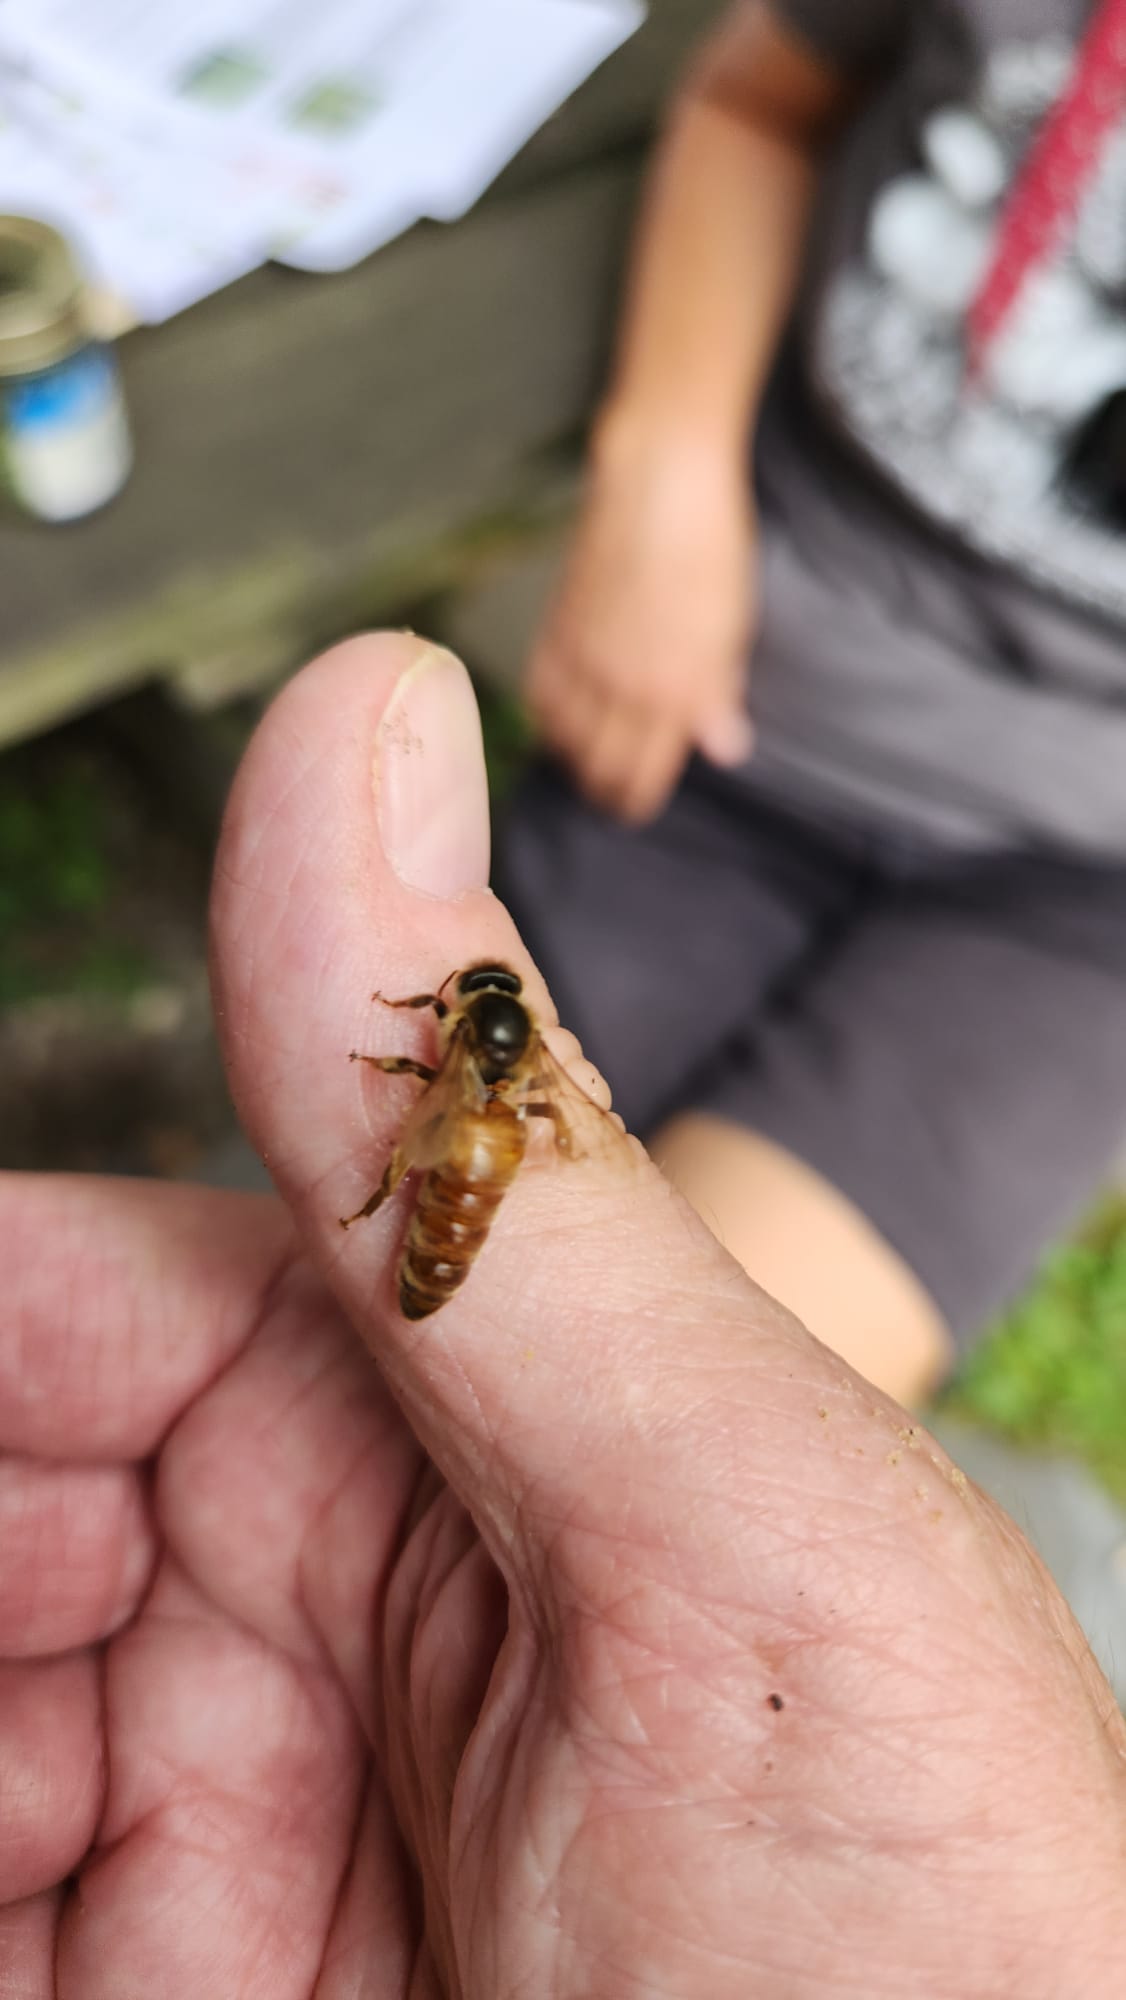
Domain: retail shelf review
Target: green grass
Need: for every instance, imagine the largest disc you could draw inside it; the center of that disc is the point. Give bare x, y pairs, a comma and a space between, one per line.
50, 839
1052, 1374
508, 740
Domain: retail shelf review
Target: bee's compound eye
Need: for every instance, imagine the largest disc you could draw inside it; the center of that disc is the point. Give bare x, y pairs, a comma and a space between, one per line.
489, 978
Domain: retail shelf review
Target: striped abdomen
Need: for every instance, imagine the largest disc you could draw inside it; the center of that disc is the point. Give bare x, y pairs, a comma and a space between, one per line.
456, 1205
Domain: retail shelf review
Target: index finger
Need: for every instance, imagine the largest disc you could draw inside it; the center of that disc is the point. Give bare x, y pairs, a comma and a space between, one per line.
123, 1299
661, 753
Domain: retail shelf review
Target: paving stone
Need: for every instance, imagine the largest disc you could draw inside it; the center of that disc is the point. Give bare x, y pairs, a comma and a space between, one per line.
1071, 1521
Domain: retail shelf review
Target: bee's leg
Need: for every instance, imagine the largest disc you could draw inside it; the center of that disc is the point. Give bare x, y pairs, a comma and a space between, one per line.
397, 1065
396, 1168
564, 1137
417, 1000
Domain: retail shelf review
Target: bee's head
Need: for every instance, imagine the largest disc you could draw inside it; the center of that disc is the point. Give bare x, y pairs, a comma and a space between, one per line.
501, 1024
489, 978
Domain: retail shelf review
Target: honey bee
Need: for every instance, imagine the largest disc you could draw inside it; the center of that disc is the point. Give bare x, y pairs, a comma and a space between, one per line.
468, 1132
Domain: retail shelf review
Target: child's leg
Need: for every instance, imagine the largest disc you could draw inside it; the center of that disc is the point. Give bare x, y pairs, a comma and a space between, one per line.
941, 1100
807, 1244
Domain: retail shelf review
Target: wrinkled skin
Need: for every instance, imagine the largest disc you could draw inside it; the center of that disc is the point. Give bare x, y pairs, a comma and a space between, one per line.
601, 1637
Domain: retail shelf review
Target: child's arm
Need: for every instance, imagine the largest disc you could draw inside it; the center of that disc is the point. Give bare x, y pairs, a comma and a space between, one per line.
643, 656
723, 232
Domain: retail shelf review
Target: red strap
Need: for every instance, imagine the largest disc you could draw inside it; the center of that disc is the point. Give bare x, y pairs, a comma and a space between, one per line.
1063, 156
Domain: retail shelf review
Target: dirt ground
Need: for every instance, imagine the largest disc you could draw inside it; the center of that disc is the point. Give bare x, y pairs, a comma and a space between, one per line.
107, 1056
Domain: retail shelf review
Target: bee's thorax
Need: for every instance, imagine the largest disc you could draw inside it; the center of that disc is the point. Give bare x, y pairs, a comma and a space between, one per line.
501, 1029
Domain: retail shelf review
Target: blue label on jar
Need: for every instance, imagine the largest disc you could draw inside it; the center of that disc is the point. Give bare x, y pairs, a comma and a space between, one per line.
73, 391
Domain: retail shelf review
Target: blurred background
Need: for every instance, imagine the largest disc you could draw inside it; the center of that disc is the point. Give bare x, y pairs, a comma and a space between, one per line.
344, 380
314, 450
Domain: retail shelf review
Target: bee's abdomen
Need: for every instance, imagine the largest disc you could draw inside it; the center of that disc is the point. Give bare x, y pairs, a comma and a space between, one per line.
456, 1206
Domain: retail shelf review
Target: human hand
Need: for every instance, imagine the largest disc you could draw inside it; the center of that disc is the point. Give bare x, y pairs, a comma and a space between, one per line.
602, 1636
643, 656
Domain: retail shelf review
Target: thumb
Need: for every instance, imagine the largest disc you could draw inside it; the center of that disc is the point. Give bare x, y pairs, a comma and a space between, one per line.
601, 1322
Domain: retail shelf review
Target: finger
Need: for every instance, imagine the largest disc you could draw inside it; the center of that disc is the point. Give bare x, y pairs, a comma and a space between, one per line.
122, 1299
726, 738
570, 718
656, 771
27, 1948
446, 1618
282, 1493
236, 1778
611, 753
76, 1550
554, 669
372, 1946
595, 1285
51, 1771
631, 766
284, 1490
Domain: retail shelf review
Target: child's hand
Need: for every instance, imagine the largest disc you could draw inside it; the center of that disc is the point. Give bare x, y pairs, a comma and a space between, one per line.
643, 656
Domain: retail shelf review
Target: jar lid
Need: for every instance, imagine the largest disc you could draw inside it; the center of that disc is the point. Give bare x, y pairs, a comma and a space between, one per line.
41, 288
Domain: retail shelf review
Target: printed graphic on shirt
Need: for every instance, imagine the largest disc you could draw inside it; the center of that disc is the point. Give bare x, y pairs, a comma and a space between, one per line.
1027, 463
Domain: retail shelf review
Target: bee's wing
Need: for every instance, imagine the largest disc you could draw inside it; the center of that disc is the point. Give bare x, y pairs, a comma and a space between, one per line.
583, 1130
457, 1088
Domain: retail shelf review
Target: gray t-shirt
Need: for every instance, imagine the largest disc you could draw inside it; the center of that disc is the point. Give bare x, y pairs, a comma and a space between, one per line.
945, 613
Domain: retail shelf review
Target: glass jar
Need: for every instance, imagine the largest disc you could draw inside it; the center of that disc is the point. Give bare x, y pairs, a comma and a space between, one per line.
64, 435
